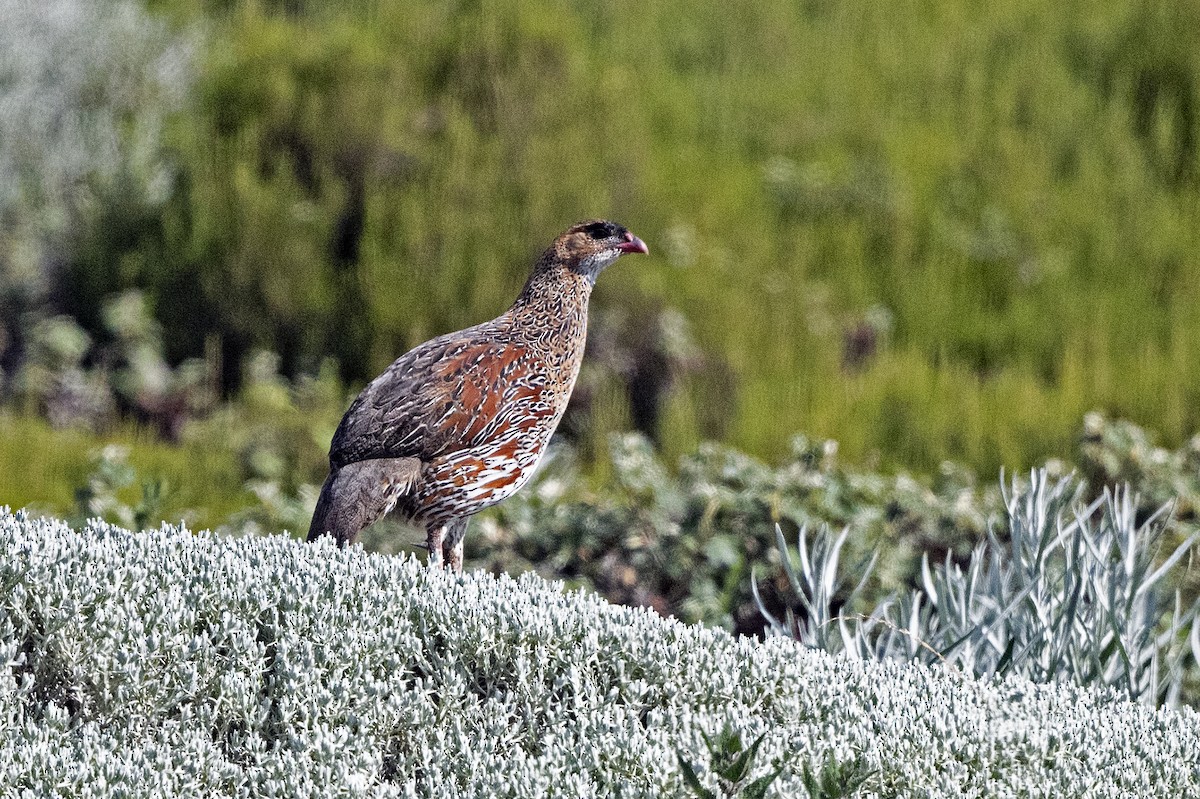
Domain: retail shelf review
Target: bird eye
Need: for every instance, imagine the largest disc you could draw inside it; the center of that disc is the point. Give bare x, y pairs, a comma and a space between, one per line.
598, 230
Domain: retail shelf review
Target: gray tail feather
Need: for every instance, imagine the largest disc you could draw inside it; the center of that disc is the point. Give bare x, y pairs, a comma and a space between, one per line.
358, 494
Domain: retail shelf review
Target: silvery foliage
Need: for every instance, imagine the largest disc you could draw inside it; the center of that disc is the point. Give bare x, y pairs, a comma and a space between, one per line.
168, 663
1068, 592
85, 87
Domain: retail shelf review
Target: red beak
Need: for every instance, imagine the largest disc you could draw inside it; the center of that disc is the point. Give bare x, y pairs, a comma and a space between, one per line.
633, 244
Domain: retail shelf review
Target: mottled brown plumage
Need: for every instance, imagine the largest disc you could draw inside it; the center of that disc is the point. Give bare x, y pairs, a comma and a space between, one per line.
460, 422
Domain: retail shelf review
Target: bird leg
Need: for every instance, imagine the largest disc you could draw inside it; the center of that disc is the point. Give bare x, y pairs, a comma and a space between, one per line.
456, 533
433, 542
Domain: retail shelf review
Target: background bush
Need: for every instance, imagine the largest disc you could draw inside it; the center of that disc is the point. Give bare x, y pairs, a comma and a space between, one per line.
686, 538
1067, 591
86, 90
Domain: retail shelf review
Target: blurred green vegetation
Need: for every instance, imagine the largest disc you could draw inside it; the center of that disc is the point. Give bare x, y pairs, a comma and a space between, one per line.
47, 466
926, 230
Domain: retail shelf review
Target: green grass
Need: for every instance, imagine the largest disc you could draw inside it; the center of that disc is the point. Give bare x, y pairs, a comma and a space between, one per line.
202, 483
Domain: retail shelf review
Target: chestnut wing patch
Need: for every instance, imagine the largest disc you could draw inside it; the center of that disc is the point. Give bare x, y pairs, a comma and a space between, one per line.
444, 396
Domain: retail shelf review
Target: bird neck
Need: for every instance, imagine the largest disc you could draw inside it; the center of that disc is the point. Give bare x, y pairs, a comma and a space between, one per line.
552, 308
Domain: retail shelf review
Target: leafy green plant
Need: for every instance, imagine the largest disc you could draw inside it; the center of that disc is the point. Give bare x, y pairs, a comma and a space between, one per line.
732, 763
74, 379
1116, 451
53, 381
836, 779
1073, 591
100, 495
684, 539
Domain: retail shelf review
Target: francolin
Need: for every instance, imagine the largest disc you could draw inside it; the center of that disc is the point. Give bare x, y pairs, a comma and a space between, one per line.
460, 422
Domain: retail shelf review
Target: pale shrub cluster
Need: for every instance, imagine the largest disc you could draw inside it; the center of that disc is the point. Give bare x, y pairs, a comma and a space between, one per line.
1067, 590
85, 90
171, 664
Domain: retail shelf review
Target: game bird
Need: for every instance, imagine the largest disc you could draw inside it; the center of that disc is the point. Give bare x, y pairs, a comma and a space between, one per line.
460, 422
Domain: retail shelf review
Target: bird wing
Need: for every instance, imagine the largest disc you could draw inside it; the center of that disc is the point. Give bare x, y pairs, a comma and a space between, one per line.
440, 397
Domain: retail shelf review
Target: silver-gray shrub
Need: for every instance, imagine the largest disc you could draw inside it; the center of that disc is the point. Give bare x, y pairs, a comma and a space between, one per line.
85, 89
1063, 590
167, 663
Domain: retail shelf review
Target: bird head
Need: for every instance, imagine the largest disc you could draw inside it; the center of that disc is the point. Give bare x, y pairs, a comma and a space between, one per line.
587, 248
